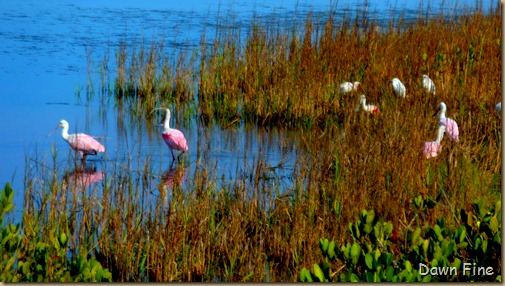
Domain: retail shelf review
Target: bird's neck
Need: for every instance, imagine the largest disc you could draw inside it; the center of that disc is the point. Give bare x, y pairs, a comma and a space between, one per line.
166, 122
64, 133
440, 134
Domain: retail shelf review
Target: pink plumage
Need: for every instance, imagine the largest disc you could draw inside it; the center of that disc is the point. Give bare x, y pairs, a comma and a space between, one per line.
452, 128
450, 125
82, 143
174, 138
85, 144
432, 149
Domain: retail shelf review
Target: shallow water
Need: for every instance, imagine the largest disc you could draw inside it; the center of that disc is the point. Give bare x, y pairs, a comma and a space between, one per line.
44, 64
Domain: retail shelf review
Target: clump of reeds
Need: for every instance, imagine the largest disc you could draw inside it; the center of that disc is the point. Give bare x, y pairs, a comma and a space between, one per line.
147, 77
291, 77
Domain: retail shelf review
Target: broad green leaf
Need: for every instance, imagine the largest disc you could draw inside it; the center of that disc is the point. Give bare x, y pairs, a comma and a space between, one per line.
318, 272
369, 261
370, 217
323, 243
354, 278
462, 236
305, 275
331, 249
390, 272
438, 232
355, 253
408, 266
434, 262
416, 235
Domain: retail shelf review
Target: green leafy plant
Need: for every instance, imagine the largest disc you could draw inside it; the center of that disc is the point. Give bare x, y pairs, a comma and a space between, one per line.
26, 257
431, 253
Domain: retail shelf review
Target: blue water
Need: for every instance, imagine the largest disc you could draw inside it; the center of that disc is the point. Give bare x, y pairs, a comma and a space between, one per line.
44, 66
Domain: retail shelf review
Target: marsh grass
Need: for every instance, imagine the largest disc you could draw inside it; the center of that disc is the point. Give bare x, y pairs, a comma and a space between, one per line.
254, 227
146, 77
144, 224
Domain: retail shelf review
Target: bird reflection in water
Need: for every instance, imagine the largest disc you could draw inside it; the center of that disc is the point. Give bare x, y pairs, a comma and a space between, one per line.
83, 177
172, 178
174, 175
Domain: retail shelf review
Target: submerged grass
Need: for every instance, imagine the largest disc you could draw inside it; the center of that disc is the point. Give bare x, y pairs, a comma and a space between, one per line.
145, 226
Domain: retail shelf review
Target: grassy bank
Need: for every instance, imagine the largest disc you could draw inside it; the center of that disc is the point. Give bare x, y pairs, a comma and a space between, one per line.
142, 227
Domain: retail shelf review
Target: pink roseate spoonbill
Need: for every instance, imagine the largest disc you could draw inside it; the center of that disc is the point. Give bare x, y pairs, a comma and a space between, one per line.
451, 125
433, 148
399, 88
173, 137
497, 108
348, 87
369, 108
82, 143
428, 84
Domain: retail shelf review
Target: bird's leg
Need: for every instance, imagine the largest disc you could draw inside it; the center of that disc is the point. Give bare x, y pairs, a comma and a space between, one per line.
172, 165
84, 160
173, 156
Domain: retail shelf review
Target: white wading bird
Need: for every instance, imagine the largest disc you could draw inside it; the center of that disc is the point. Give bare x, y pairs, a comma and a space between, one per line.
428, 84
399, 88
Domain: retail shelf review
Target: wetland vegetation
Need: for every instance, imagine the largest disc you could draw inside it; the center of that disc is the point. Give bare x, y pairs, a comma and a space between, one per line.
194, 226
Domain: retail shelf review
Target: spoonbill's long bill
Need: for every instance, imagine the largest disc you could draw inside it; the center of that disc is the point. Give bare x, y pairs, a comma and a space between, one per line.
348, 87
428, 84
497, 108
370, 108
399, 88
433, 148
451, 125
173, 137
82, 143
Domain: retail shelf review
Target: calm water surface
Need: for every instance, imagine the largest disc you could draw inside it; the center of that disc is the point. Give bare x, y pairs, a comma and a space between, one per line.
43, 65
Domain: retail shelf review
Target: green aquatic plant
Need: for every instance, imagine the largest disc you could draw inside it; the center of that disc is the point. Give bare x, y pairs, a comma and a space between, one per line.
469, 251
26, 256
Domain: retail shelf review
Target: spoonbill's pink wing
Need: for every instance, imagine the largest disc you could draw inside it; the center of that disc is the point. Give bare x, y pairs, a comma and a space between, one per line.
85, 143
452, 128
175, 140
432, 149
